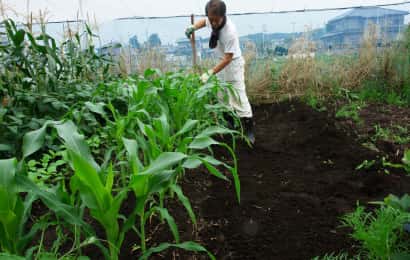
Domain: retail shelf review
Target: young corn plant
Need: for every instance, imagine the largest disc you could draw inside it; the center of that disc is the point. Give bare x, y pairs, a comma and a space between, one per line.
148, 146
150, 135
15, 209
94, 188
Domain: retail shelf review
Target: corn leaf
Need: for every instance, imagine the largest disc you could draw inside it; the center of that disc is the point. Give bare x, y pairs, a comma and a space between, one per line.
189, 246
185, 202
50, 200
203, 142
192, 163
34, 140
163, 161
132, 149
96, 108
10, 257
214, 171
188, 126
170, 220
210, 131
75, 142
91, 185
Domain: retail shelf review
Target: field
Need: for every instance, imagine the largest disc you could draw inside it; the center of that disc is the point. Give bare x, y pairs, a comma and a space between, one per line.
295, 188
98, 163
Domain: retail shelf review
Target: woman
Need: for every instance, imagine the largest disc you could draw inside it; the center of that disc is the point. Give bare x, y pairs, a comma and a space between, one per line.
225, 41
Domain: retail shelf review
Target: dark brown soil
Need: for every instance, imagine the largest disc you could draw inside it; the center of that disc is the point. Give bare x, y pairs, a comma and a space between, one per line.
384, 116
297, 182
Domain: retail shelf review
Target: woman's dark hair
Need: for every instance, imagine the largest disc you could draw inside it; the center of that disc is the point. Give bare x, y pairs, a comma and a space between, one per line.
215, 7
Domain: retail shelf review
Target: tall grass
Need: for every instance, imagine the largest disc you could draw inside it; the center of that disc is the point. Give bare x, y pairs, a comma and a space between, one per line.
259, 75
380, 74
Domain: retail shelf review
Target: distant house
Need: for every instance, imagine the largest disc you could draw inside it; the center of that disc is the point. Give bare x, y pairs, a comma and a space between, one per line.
347, 30
3, 39
184, 47
110, 49
3, 36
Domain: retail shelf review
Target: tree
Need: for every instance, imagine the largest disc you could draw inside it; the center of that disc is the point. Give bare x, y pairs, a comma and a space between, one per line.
154, 40
134, 43
280, 51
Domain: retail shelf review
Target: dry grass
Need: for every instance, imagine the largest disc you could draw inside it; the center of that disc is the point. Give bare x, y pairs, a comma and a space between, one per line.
259, 78
303, 75
7, 11
353, 75
152, 58
133, 61
301, 72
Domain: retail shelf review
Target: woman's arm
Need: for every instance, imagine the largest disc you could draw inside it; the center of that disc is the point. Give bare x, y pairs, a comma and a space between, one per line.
200, 24
220, 66
227, 58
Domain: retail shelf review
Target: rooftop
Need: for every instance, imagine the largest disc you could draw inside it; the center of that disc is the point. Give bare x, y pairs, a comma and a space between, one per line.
369, 12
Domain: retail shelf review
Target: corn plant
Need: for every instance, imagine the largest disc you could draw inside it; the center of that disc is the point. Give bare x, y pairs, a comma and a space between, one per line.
15, 209
95, 193
96, 189
164, 125
41, 81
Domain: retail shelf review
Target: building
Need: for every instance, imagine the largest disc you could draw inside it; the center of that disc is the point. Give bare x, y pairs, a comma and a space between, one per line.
3, 39
3, 35
347, 30
184, 47
110, 49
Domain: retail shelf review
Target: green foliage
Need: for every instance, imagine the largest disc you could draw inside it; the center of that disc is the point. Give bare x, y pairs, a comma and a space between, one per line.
40, 81
86, 141
380, 232
333, 256
314, 102
366, 164
405, 165
351, 110
148, 131
396, 134
48, 169
15, 209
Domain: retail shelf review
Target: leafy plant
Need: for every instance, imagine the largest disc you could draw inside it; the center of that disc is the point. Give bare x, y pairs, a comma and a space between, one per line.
47, 169
40, 81
366, 164
351, 110
333, 256
141, 135
380, 233
405, 165
15, 209
396, 134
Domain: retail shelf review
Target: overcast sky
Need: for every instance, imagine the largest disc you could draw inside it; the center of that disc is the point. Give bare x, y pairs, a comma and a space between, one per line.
109, 9
170, 30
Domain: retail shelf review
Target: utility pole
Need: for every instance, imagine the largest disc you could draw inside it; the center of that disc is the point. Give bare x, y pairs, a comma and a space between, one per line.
264, 30
28, 10
293, 29
193, 43
2, 11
